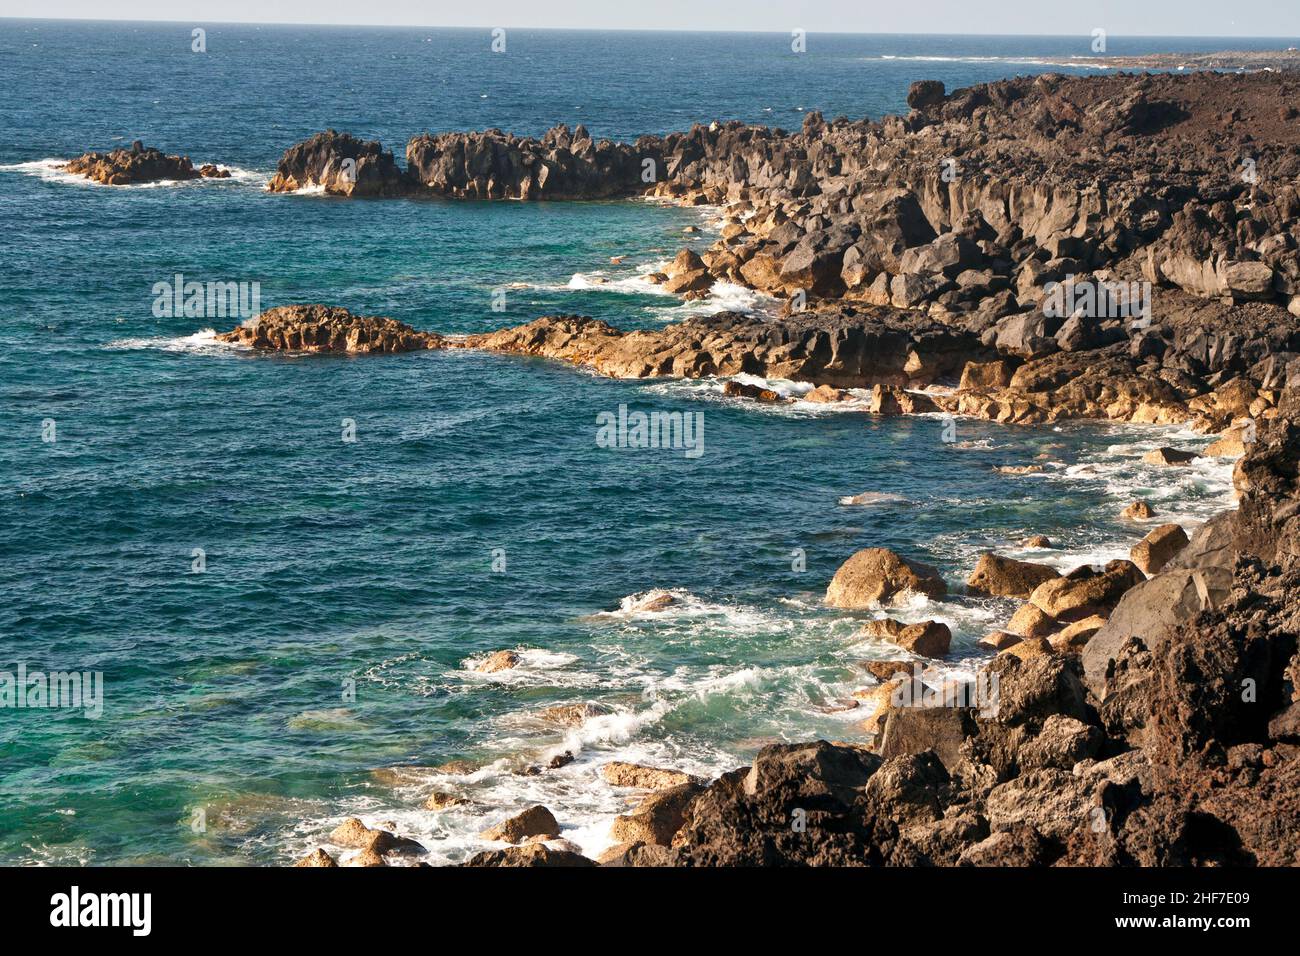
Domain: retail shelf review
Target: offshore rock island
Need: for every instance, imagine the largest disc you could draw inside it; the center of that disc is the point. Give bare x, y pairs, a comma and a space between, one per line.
1118, 248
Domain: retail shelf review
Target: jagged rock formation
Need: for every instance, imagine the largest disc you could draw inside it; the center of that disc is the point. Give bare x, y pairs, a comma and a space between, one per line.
323, 328
497, 165
996, 238
122, 167
342, 164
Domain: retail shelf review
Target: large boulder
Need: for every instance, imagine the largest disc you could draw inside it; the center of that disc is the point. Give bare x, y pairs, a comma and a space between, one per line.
535, 821
914, 730
1007, 577
1071, 598
1147, 622
618, 773
1155, 550
923, 94
657, 818
530, 854
877, 576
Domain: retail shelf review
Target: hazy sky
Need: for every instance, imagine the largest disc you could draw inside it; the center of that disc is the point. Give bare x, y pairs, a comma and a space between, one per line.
1128, 17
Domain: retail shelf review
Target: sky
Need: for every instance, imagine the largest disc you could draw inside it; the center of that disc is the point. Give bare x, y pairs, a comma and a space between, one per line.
1248, 18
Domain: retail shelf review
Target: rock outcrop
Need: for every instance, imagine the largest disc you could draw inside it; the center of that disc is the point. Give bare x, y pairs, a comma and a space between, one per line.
1093, 251
125, 167
323, 328
342, 165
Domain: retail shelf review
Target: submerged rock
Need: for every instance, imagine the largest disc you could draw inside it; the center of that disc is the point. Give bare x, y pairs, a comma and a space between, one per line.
572, 715
498, 661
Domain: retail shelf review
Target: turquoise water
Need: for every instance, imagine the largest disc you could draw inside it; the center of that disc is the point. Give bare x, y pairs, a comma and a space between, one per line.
369, 565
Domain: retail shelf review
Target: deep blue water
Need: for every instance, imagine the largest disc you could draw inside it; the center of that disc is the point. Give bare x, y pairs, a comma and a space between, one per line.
369, 564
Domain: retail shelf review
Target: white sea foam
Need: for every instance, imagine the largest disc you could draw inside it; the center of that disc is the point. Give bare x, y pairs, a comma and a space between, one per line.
52, 170
712, 389
601, 281
203, 342
314, 189
1083, 62
536, 666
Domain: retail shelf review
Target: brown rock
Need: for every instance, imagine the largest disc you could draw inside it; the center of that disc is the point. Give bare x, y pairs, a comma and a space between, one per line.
530, 854
1137, 511
886, 628
498, 661
742, 390
826, 394
439, 800
1074, 598
1154, 551
1169, 456
317, 857
353, 833
322, 328
658, 818
368, 858
621, 774
616, 852
981, 375
1076, 634
877, 575
1031, 621
1037, 541
1007, 577
1029, 647
535, 821
884, 670
926, 639
1000, 640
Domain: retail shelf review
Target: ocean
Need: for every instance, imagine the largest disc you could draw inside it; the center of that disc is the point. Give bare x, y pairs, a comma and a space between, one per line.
285, 568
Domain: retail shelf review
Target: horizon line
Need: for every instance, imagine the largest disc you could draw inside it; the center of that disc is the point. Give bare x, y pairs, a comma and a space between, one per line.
429, 26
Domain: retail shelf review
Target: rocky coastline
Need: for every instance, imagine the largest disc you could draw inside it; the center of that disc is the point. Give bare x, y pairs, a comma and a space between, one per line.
1118, 248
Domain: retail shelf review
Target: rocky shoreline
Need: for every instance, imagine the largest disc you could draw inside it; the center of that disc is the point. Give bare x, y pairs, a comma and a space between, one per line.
1031, 251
